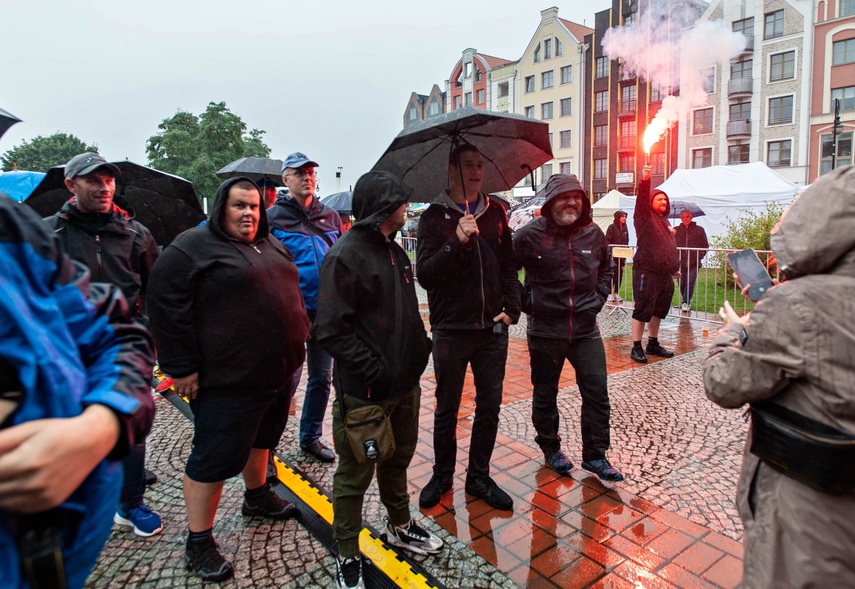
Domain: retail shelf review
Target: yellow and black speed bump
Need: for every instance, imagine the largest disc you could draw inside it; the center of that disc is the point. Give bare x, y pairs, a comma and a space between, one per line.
383, 567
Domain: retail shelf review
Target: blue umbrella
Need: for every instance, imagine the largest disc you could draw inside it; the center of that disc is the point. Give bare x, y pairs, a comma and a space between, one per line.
19, 183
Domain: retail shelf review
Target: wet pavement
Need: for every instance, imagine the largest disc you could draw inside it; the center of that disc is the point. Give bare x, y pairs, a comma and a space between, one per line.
671, 523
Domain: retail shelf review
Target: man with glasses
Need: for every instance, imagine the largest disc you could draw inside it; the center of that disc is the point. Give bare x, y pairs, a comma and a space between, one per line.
308, 229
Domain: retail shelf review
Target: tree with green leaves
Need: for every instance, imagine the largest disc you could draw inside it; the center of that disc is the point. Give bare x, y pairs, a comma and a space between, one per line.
751, 229
196, 147
42, 153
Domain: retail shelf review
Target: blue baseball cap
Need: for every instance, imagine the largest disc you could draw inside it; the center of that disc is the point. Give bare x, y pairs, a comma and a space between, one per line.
297, 160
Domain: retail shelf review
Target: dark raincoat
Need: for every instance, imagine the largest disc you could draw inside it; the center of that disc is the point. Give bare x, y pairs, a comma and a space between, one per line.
657, 249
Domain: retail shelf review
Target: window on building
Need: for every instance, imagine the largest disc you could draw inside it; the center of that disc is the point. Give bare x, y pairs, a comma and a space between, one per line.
601, 101
503, 89
843, 153
703, 121
778, 153
413, 113
655, 94
434, 108
559, 47
546, 79
479, 97
628, 102
545, 173
708, 79
741, 69
740, 111
601, 135
846, 96
458, 101
566, 107
467, 98
657, 161
467, 69
744, 26
564, 138
550, 141
600, 169
602, 69
627, 134
565, 167
537, 53
529, 83
702, 158
478, 74
847, 8
738, 154
781, 110
566, 74
459, 81
546, 110
547, 49
774, 26
626, 163
843, 52
529, 112
629, 20
782, 66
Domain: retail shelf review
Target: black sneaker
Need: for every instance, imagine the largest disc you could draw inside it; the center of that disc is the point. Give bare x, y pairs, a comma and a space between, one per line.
658, 350
559, 462
487, 489
150, 478
204, 560
320, 451
269, 505
603, 469
412, 537
348, 573
637, 354
432, 493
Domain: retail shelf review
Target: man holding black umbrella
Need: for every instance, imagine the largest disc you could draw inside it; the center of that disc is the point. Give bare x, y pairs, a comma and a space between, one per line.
95, 231
465, 261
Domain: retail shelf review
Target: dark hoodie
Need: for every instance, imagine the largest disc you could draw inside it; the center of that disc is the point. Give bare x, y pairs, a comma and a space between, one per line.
368, 313
657, 249
618, 234
568, 269
116, 248
230, 310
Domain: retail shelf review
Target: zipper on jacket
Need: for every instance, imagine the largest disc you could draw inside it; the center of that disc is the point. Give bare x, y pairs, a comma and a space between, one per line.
572, 282
98, 254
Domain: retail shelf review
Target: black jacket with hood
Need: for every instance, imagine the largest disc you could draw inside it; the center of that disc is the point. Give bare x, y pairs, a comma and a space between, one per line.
230, 310
115, 247
657, 249
568, 269
618, 234
467, 283
368, 313
691, 236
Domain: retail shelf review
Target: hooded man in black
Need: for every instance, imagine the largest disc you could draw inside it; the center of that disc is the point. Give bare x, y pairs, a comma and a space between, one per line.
618, 234
368, 321
568, 272
653, 268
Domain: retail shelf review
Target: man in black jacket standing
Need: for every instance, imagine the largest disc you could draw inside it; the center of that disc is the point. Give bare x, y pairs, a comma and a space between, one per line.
97, 232
465, 261
568, 273
692, 236
369, 322
617, 234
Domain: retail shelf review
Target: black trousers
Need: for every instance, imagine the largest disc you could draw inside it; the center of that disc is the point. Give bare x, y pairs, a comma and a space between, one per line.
588, 358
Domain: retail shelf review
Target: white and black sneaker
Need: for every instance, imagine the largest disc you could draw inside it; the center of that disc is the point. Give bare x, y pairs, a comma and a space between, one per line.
348, 573
413, 537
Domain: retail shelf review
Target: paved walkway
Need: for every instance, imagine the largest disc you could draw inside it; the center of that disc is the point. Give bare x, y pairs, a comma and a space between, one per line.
672, 523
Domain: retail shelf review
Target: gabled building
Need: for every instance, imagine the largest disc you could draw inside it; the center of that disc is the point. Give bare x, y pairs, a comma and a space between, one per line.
502, 88
758, 107
833, 68
468, 83
423, 106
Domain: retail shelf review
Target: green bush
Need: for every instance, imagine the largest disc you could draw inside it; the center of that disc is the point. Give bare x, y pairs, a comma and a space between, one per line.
750, 230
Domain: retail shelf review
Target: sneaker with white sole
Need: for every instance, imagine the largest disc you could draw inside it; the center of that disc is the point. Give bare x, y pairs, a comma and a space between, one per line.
413, 537
685, 308
348, 573
143, 520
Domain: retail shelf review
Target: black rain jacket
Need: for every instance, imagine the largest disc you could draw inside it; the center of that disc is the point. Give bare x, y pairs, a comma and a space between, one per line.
657, 249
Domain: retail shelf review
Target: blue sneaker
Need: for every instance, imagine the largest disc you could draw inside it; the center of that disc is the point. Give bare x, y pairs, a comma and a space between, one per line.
144, 521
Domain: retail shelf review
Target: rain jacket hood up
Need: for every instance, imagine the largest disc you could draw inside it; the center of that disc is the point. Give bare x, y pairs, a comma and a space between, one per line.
799, 355
657, 248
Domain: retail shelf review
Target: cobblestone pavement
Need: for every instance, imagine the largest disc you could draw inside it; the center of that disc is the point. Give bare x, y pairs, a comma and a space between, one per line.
661, 527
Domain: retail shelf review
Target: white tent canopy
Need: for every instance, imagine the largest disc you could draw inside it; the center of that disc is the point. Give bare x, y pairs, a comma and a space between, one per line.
603, 211
722, 192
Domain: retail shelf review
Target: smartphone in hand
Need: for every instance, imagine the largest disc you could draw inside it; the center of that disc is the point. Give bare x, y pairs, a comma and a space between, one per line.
750, 271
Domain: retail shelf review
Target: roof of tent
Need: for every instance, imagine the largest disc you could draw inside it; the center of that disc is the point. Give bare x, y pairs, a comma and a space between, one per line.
603, 211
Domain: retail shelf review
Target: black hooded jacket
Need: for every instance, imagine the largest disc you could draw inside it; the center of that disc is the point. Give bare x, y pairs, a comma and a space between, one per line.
618, 234
368, 313
568, 269
657, 249
230, 310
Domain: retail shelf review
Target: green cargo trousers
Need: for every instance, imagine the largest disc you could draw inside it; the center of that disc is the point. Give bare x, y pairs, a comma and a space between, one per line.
352, 479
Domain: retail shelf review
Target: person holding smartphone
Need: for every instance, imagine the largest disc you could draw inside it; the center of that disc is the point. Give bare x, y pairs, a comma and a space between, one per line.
793, 354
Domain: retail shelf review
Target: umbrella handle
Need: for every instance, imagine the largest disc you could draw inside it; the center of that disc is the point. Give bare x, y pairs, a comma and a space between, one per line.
531, 175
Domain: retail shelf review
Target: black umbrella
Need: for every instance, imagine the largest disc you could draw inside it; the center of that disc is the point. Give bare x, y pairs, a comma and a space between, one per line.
340, 202
165, 204
512, 146
7, 119
254, 168
678, 206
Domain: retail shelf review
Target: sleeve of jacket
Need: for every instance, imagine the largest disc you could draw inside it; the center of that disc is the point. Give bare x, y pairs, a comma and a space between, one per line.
612, 235
605, 271
642, 214
437, 256
170, 307
148, 256
336, 326
702, 242
736, 373
511, 287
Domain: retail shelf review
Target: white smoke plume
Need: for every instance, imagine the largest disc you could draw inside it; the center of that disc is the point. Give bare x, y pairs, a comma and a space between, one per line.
670, 49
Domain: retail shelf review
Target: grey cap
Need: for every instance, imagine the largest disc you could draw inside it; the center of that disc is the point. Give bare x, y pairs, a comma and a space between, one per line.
297, 160
86, 163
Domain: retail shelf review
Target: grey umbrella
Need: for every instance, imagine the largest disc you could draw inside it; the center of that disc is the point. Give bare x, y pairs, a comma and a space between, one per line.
512, 146
7, 119
254, 168
340, 202
678, 206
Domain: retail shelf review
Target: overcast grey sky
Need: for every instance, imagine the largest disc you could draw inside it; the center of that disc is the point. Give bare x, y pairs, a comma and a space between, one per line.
327, 78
